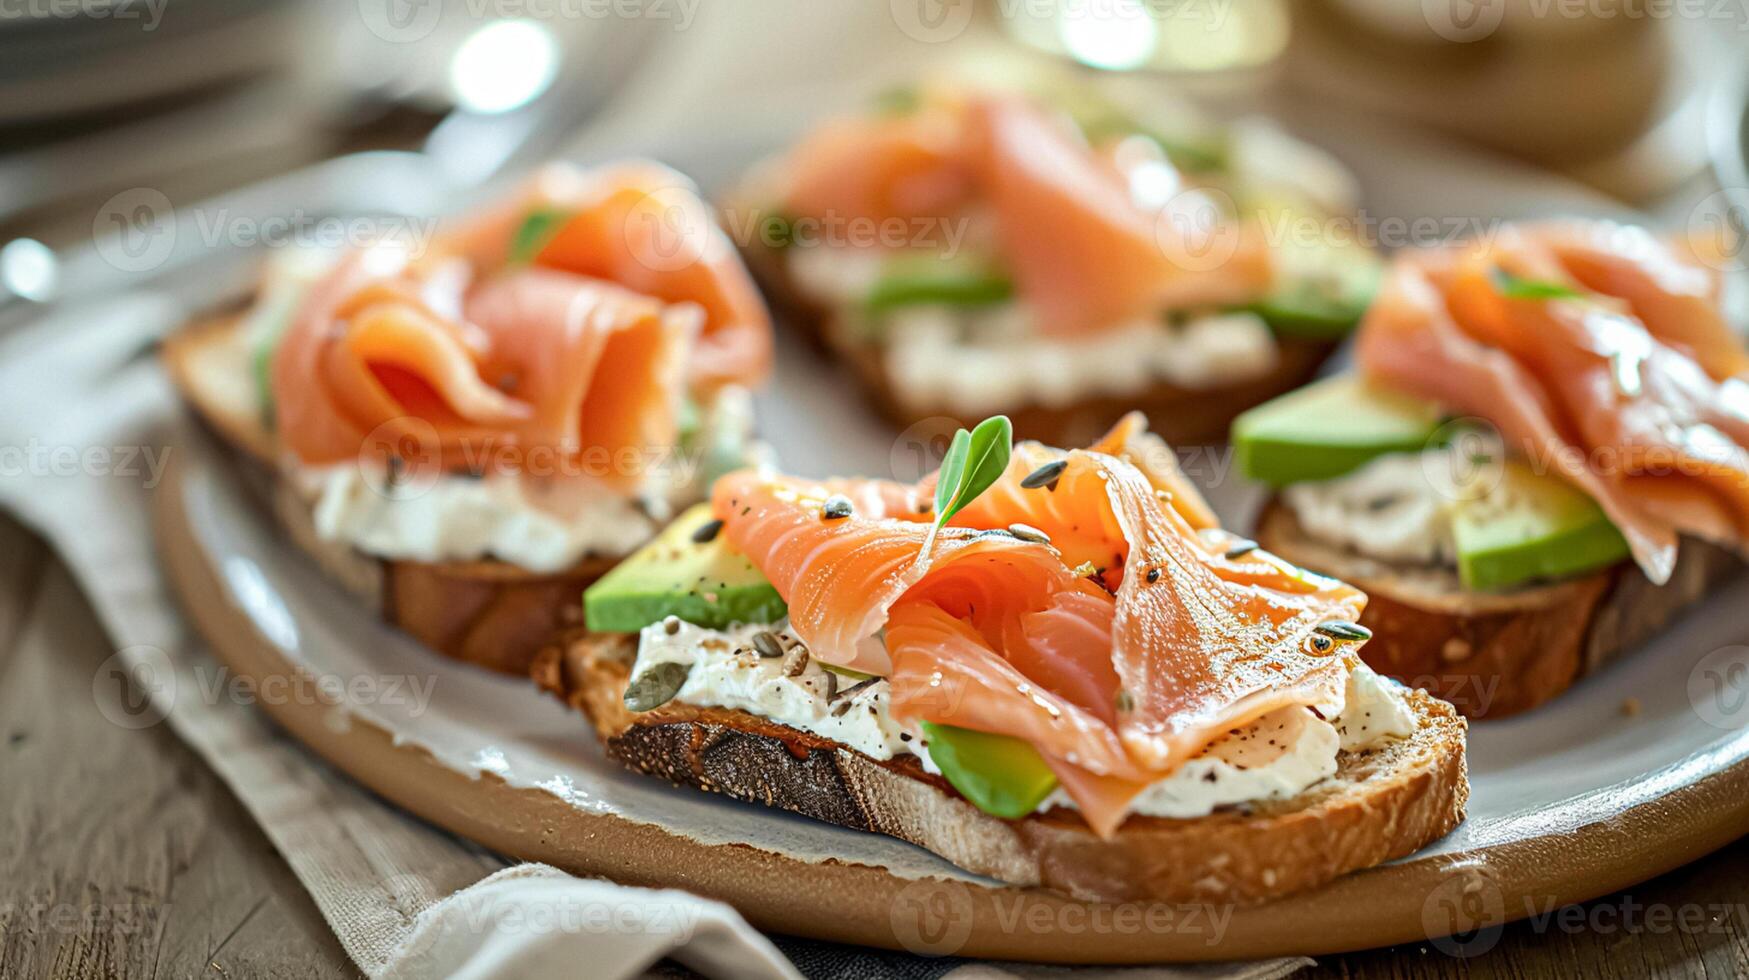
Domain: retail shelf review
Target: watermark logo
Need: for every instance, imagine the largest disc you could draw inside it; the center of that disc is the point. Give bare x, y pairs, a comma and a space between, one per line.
1193, 231
1718, 688
669, 229
135, 231
1718, 230
1473, 463
149, 13
920, 449
401, 21
135, 687
1465, 914
401, 459
1463, 21
932, 917
932, 21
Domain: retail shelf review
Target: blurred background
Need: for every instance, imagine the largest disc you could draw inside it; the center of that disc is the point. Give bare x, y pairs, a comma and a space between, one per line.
1640, 99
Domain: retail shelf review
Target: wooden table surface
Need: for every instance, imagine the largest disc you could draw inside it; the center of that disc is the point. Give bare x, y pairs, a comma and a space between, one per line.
122, 855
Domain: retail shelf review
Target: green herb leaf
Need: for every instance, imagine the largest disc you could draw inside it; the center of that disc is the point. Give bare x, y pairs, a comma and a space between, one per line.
536, 230
1514, 287
974, 461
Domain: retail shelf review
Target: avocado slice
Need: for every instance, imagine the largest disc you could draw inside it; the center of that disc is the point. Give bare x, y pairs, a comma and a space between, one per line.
1531, 526
707, 583
908, 279
1323, 288
1329, 428
1001, 775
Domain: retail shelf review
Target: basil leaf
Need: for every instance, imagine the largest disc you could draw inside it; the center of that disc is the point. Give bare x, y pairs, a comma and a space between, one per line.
1514, 287
536, 230
975, 460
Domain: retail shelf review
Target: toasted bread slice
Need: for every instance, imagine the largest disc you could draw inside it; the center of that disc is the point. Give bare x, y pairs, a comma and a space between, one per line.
490, 613
1179, 415
1493, 654
1380, 805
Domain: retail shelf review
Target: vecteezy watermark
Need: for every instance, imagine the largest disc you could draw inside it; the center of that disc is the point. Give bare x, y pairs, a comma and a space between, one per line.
919, 450
138, 686
411, 21
135, 687
40, 459
1465, 913
1377, 232
770, 229
676, 920
935, 917
932, 21
147, 13
300, 229
1718, 229
137, 230
1466, 21
1718, 687
1192, 230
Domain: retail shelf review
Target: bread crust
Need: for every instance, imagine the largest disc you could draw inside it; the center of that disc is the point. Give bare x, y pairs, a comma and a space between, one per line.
1381, 805
1495, 654
1179, 415
490, 613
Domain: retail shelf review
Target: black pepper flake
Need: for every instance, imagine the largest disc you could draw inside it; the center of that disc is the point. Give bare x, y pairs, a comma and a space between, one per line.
1153, 575
837, 507
1045, 476
707, 532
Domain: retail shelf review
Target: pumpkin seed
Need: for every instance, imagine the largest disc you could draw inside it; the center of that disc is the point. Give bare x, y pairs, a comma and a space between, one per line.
767, 644
1045, 476
855, 689
1241, 549
657, 686
1337, 629
1026, 532
707, 532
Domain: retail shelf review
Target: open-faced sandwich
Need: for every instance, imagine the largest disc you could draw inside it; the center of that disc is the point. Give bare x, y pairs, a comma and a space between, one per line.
1540, 460
968, 252
469, 430
1052, 668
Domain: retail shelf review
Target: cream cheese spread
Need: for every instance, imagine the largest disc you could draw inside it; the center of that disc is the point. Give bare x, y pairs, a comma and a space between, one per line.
1277, 756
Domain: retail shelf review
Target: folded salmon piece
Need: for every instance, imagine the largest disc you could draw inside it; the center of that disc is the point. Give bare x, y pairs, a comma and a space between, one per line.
1116, 673
1086, 252
1598, 352
585, 345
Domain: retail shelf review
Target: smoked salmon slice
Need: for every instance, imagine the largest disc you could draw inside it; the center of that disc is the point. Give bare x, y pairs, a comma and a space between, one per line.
1086, 251
576, 362
1116, 677
1615, 370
